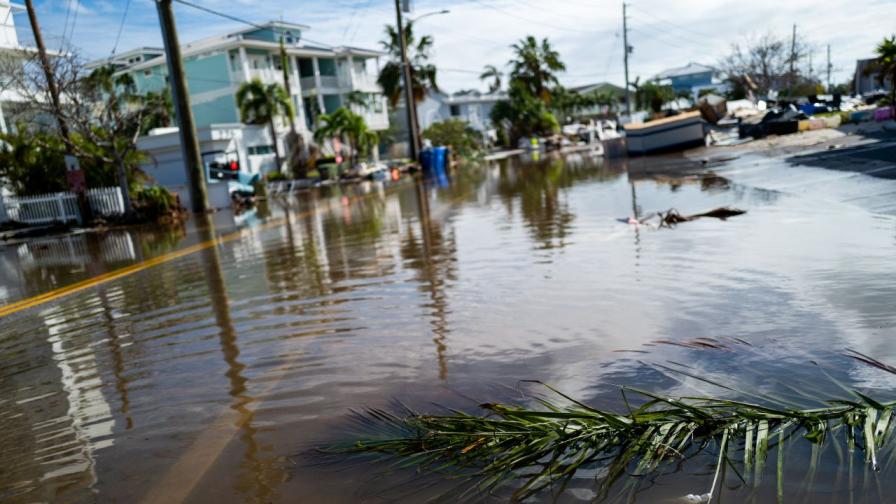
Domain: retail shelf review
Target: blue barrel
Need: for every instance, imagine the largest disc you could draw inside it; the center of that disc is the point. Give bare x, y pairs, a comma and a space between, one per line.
426, 159
440, 158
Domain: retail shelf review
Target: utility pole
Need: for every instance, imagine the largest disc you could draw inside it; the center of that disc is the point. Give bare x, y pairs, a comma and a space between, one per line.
48, 72
829, 69
792, 60
410, 104
181, 96
284, 62
625, 50
74, 174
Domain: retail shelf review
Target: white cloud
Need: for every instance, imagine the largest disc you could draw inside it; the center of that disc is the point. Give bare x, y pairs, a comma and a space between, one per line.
479, 32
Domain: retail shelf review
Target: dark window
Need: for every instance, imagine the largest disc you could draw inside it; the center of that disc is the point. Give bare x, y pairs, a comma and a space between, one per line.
455, 110
306, 67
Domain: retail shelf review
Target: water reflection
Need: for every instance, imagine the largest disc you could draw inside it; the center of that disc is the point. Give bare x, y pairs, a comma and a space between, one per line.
203, 377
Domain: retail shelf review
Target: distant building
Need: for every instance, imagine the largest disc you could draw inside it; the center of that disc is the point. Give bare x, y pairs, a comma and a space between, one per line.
320, 80
606, 88
473, 107
867, 82
12, 51
692, 78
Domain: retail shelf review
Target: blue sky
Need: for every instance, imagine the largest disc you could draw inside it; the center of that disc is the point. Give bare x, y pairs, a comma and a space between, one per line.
665, 33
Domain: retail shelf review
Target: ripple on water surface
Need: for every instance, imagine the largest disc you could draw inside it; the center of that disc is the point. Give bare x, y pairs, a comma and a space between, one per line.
205, 377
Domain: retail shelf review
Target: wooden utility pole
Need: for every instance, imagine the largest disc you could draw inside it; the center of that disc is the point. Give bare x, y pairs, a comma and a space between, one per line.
410, 104
48, 72
181, 97
74, 174
625, 50
829, 69
792, 61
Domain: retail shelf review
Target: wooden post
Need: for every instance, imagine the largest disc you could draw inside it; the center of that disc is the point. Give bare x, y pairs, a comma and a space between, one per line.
410, 104
180, 94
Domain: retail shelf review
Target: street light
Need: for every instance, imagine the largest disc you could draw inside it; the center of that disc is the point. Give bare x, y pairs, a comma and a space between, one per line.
436, 13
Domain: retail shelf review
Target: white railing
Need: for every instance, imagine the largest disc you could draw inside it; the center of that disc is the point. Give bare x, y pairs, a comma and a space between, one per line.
106, 201
62, 206
329, 81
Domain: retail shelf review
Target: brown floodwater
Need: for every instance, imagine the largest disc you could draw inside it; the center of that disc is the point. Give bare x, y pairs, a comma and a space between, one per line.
209, 377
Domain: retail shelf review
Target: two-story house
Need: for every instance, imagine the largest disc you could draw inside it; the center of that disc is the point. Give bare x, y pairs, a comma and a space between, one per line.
691, 79
321, 78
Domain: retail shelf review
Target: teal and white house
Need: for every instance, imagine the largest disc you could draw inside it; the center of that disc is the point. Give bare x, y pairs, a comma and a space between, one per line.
320, 78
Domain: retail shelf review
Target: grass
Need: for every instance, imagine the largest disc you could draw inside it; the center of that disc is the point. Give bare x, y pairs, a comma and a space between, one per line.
535, 449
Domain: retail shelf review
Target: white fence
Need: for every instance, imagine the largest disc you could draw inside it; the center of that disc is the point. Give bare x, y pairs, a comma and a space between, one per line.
61, 206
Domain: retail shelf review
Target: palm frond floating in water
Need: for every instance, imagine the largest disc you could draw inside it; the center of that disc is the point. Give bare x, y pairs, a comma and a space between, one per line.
534, 449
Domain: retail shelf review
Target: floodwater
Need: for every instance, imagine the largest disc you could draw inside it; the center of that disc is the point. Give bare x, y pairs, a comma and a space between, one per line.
208, 377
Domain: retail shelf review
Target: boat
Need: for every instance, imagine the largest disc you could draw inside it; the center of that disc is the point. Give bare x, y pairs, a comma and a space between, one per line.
676, 132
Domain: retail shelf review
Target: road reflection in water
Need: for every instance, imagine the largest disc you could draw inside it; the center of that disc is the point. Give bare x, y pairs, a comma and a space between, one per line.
205, 378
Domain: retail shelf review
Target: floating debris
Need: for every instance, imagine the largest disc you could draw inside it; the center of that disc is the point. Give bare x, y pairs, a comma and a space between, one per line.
672, 217
534, 449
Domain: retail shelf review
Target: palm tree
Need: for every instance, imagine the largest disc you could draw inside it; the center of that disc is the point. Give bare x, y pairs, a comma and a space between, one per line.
262, 104
885, 65
423, 73
535, 65
159, 110
351, 127
491, 72
358, 99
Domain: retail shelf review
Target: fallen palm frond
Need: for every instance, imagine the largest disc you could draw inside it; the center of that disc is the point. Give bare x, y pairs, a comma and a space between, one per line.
537, 449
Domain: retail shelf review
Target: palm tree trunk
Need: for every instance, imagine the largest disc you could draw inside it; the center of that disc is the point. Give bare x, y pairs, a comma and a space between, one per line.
276, 147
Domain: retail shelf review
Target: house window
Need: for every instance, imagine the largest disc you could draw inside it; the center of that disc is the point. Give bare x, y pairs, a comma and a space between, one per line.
306, 67
455, 110
147, 72
260, 150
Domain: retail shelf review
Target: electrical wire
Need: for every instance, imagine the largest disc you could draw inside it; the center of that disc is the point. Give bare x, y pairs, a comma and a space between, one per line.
244, 21
71, 33
124, 16
68, 11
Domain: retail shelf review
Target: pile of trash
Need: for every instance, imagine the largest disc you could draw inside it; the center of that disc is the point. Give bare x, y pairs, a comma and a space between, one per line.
735, 121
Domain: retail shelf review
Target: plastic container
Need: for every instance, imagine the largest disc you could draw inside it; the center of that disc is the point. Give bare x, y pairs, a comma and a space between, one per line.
426, 159
440, 158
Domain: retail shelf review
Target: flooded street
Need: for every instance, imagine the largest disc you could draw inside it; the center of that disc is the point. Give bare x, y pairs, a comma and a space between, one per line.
207, 376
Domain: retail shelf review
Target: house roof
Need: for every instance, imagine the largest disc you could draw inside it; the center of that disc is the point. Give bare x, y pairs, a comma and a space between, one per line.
603, 87
689, 69
271, 25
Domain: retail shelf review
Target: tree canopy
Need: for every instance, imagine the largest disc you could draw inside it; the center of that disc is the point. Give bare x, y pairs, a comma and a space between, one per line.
423, 73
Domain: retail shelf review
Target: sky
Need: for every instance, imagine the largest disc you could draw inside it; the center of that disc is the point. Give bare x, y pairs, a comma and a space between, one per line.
664, 33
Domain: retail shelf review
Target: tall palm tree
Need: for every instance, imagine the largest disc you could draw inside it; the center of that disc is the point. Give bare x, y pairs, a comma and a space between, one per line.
491, 72
423, 73
885, 65
351, 127
535, 65
261, 103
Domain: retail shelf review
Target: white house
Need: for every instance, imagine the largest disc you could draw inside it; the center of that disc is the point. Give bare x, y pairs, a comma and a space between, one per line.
320, 78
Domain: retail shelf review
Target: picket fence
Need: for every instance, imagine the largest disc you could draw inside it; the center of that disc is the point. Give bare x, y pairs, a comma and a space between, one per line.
61, 206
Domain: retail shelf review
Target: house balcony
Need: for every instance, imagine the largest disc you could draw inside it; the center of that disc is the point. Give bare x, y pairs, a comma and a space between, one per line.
366, 83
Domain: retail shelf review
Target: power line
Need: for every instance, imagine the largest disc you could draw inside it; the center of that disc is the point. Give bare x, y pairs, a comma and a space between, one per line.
243, 21
68, 11
71, 33
121, 26
538, 21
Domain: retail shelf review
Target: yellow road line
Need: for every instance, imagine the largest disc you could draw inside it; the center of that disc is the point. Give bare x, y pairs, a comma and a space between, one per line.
52, 295
122, 272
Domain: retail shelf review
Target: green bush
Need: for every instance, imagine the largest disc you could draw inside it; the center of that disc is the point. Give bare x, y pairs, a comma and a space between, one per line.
32, 163
456, 134
276, 176
153, 202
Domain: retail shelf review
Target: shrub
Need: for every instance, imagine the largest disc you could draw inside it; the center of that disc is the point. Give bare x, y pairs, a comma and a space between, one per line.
154, 202
276, 176
456, 134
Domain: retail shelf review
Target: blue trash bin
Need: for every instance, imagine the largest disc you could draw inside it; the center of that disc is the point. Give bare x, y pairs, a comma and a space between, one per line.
440, 161
426, 159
